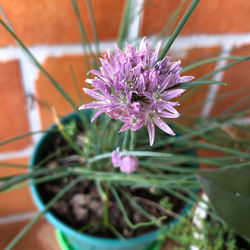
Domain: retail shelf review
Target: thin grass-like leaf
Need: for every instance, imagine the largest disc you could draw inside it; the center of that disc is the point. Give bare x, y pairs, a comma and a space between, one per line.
125, 139
229, 65
93, 27
16, 138
104, 129
39, 180
78, 92
218, 97
178, 29
11, 165
125, 216
137, 206
132, 153
82, 33
209, 60
171, 21
166, 167
233, 106
211, 74
218, 148
194, 83
38, 65
38, 172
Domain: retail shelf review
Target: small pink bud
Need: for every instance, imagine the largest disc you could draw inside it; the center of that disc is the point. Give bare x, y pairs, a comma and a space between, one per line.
129, 164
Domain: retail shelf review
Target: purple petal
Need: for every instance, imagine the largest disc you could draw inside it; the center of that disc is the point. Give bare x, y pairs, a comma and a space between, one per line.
94, 105
169, 115
155, 56
167, 106
165, 83
151, 131
96, 115
163, 126
142, 44
172, 94
93, 93
125, 127
96, 73
186, 78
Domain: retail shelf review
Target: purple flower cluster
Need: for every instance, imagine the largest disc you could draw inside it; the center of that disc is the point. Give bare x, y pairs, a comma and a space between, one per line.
133, 87
127, 164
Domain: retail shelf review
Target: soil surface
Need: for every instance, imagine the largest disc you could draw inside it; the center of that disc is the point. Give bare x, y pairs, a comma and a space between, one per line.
82, 208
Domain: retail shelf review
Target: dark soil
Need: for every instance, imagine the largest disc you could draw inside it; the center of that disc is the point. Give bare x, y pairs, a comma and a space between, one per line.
83, 206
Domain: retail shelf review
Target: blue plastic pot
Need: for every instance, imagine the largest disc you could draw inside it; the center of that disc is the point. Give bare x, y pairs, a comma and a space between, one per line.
80, 241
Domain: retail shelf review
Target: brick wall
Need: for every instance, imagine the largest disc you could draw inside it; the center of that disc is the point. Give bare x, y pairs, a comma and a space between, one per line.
49, 29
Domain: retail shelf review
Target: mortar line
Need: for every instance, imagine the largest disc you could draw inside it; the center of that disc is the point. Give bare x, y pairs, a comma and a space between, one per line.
16, 154
17, 217
29, 74
182, 42
133, 32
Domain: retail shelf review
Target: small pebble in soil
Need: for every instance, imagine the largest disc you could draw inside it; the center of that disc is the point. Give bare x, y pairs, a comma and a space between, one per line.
80, 213
62, 207
79, 200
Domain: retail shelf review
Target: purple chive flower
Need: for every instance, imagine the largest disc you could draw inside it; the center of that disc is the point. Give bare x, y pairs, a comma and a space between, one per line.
127, 164
133, 87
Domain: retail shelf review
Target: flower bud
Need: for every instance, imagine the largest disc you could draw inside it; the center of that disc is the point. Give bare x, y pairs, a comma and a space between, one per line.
129, 164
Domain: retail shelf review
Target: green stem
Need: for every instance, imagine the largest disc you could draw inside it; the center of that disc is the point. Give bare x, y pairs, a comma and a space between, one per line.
132, 140
23, 136
78, 92
37, 64
106, 206
93, 27
125, 216
178, 29
125, 139
133, 153
171, 21
71, 142
137, 206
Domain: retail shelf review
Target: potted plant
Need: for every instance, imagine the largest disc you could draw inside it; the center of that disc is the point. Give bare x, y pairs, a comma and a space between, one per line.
81, 201
120, 176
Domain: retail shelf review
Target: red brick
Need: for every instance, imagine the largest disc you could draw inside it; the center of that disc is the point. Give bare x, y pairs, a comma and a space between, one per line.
40, 237
46, 93
52, 22
191, 56
14, 119
205, 153
17, 200
237, 79
211, 17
